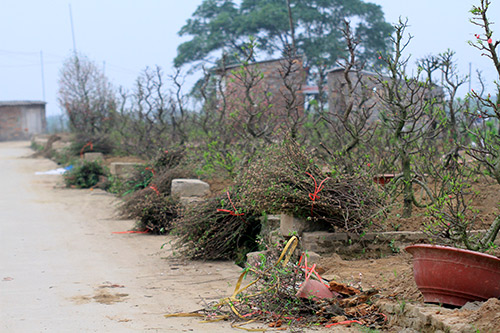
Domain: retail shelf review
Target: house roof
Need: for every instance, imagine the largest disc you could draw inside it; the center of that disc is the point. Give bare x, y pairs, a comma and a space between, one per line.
20, 103
341, 69
236, 65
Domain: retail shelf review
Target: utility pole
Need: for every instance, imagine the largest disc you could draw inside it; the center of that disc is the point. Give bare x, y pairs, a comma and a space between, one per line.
72, 29
470, 87
43, 76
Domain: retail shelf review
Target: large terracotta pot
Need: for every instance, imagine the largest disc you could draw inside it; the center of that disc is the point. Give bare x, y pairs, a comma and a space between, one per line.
452, 276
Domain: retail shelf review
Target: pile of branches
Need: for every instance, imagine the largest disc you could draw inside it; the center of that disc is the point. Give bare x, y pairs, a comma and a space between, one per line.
168, 159
267, 292
215, 229
285, 179
164, 167
154, 212
153, 206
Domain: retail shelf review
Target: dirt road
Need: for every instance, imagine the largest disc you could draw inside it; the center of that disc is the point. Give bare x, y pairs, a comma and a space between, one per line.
62, 269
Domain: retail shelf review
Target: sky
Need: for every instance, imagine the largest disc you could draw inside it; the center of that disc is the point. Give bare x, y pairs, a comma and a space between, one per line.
126, 36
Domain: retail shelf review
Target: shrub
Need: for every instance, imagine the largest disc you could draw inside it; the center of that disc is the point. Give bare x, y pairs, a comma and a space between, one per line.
85, 174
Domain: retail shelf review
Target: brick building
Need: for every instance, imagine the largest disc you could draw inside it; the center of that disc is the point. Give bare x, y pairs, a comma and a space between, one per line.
368, 91
364, 84
264, 94
20, 120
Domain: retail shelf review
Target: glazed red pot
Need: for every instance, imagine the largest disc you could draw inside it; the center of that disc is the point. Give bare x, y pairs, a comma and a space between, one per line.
447, 275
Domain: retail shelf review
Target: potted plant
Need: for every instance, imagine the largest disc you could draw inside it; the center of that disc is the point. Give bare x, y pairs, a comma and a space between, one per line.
455, 275
457, 270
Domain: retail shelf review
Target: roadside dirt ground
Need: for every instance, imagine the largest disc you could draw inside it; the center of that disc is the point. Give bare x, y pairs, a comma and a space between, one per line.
62, 269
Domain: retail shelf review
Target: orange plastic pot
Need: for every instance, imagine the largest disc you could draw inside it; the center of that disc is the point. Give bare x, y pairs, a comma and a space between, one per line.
447, 275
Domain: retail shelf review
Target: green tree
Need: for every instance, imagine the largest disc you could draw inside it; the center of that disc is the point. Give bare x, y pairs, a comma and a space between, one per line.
220, 25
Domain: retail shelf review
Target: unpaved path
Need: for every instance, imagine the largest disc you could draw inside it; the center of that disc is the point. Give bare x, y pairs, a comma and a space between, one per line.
63, 270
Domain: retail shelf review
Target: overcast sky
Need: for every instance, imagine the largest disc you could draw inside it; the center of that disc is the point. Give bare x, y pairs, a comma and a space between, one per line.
125, 36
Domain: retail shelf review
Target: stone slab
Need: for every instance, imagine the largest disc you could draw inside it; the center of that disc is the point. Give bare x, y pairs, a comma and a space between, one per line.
186, 188
122, 170
93, 157
291, 225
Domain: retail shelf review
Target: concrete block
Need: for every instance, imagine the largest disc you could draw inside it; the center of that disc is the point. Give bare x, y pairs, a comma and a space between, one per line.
190, 188
322, 241
312, 258
40, 140
189, 201
93, 157
273, 221
255, 259
61, 145
122, 170
290, 225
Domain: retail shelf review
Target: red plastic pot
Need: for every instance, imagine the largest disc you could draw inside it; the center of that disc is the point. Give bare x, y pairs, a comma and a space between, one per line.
383, 179
447, 275
314, 289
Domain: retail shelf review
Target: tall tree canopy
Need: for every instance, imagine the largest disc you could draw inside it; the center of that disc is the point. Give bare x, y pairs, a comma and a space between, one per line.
222, 25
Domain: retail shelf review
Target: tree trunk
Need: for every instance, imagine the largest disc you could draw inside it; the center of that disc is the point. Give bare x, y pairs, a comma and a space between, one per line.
407, 184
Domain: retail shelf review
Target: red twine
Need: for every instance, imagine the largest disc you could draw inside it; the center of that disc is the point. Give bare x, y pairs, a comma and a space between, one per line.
317, 189
152, 170
231, 212
310, 270
154, 188
88, 144
347, 322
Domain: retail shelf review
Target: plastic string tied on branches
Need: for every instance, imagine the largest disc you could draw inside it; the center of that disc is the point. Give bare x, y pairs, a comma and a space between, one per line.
231, 212
314, 196
310, 270
154, 188
312, 289
284, 258
152, 170
88, 144
232, 300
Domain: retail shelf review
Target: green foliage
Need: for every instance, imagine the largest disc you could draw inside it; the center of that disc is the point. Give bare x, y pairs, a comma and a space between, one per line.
140, 179
85, 174
36, 147
218, 157
217, 25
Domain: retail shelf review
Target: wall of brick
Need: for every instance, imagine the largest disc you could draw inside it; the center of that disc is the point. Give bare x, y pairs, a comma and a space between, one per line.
267, 91
21, 120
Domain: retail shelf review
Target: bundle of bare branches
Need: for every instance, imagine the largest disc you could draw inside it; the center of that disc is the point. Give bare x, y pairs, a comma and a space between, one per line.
152, 205
216, 229
285, 179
